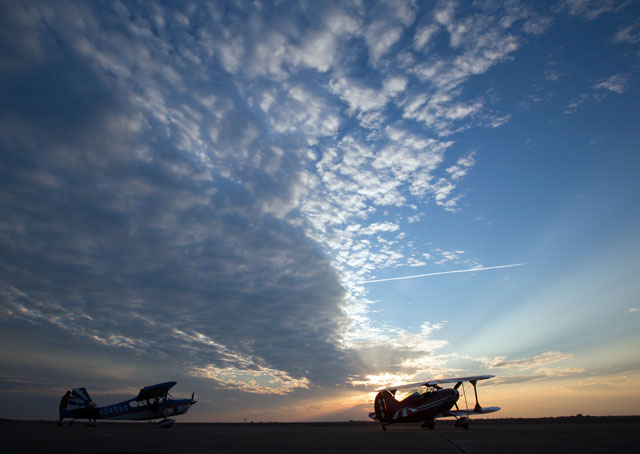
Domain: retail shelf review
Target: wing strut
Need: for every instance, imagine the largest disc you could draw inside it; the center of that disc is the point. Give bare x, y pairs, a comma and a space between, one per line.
464, 393
477, 408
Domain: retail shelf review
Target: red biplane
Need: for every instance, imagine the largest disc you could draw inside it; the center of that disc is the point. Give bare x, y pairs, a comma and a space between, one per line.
435, 402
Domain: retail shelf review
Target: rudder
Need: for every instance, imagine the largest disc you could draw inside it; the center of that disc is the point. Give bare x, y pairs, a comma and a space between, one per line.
80, 398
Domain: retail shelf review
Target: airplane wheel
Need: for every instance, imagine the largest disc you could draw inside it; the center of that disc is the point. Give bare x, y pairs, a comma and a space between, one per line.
384, 429
70, 423
431, 426
465, 426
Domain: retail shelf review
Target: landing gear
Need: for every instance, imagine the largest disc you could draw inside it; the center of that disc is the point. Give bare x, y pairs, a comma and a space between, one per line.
463, 422
166, 423
429, 425
384, 428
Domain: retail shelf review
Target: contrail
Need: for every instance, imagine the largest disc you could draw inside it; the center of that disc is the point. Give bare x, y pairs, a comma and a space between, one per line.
486, 268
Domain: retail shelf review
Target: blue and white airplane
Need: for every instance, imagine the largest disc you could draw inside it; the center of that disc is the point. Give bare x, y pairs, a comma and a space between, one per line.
152, 402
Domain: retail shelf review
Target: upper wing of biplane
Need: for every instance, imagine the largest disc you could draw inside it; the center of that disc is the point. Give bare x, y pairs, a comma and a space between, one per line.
159, 390
439, 382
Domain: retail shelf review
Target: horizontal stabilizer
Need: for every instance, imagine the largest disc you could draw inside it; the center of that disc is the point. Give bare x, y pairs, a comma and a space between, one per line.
481, 411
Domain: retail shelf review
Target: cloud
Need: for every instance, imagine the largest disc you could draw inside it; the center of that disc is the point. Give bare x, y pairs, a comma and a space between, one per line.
188, 269
616, 83
394, 85
423, 35
126, 223
299, 110
538, 375
575, 103
628, 33
17, 48
589, 9
461, 168
380, 38
526, 363
379, 227
476, 43
359, 98
470, 270
320, 48
209, 185
537, 25
396, 356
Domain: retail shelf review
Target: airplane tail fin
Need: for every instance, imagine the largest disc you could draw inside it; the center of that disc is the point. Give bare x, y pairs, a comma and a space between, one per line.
80, 398
385, 406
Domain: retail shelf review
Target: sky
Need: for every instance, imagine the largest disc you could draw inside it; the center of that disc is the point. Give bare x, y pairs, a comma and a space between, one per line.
225, 194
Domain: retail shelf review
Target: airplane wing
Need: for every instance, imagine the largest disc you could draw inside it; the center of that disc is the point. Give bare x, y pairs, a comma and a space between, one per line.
159, 390
481, 411
438, 382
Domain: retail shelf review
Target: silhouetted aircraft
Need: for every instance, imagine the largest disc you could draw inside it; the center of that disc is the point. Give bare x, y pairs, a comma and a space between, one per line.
435, 402
152, 402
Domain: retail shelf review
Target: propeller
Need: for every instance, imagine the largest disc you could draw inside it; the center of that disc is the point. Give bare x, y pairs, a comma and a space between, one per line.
192, 396
456, 387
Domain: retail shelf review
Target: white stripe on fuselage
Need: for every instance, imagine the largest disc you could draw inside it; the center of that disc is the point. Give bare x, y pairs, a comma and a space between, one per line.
118, 412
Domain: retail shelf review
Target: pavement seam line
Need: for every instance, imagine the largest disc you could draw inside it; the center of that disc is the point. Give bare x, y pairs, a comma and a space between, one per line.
454, 443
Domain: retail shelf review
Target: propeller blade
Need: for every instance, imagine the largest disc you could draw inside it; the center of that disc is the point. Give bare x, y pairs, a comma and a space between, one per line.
457, 385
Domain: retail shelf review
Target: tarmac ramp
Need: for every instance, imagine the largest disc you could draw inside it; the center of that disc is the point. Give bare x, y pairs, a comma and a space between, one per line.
549, 435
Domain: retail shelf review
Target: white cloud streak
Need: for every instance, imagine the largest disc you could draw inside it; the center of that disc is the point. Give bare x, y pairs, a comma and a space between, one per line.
469, 270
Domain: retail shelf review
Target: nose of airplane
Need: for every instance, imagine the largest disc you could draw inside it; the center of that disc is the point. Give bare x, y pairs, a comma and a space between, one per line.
452, 395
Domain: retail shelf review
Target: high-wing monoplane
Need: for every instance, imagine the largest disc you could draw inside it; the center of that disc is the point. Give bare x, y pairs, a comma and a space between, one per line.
152, 402
435, 402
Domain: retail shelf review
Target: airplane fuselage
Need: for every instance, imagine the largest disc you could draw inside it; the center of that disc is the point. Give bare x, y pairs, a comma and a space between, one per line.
414, 408
133, 410
139, 411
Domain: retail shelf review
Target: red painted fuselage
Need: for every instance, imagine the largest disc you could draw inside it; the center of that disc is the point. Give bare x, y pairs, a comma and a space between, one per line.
416, 407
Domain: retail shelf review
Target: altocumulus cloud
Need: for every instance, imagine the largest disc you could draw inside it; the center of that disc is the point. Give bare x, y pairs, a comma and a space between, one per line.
119, 229
205, 184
